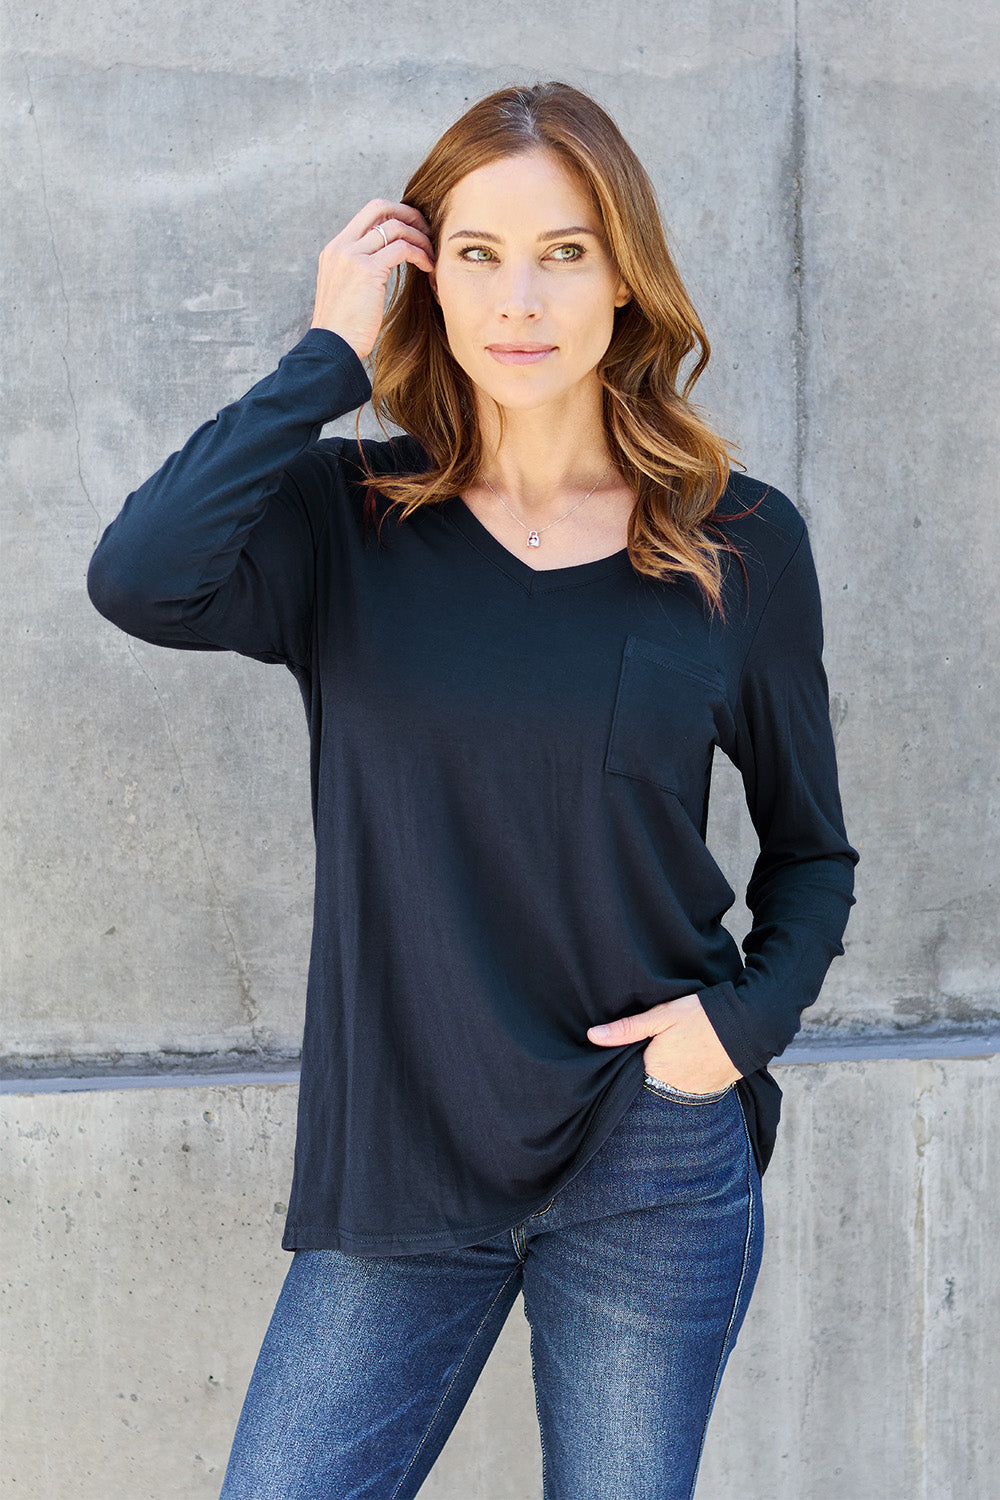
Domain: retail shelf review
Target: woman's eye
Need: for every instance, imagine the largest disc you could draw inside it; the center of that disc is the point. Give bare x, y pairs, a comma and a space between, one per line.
482, 254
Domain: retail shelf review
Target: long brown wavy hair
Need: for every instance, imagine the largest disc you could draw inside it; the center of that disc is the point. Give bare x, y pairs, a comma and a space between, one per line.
676, 466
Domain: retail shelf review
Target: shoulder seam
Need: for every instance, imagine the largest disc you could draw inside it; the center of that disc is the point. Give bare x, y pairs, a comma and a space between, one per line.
764, 607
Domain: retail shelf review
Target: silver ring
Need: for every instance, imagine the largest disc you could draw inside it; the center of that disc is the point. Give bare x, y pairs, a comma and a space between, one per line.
385, 242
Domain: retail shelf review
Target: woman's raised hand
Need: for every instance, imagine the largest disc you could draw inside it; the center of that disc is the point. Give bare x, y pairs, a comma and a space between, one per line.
355, 267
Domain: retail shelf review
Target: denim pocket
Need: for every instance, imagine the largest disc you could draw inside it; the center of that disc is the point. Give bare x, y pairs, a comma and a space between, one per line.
667, 1090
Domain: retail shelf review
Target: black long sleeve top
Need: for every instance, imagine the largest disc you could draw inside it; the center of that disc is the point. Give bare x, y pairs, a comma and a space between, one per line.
510, 773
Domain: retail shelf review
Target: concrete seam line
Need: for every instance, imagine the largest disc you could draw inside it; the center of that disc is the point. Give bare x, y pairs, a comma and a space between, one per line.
111, 1081
886, 1049
809, 1051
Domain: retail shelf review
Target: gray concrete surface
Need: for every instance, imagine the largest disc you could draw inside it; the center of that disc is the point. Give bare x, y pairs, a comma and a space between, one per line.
141, 1260
171, 187
829, 175
900, 374
831, 190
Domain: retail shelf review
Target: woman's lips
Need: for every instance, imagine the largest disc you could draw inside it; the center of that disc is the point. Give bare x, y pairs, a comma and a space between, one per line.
520, 354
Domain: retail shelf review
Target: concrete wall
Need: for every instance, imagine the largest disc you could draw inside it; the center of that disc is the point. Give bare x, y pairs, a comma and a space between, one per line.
829, 176
141, 1261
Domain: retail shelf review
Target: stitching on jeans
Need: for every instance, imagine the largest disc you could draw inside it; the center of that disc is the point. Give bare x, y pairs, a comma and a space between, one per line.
667, 1091
430, 1424
544, 1210
538, 1410
736, 1298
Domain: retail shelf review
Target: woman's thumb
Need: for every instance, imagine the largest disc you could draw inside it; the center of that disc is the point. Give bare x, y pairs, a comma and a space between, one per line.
618, 1033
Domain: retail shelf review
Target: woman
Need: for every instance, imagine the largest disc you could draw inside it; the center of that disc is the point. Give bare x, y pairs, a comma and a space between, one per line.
533, 1058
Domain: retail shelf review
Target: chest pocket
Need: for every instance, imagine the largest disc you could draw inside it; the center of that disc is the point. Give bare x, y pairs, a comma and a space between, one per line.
667, 720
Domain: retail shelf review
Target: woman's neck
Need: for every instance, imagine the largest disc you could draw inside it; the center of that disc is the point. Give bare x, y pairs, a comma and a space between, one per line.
544, 455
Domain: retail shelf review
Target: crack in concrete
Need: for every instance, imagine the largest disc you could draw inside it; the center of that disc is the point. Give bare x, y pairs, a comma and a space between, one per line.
798, 147
63, 293
247, 1002
923, 1134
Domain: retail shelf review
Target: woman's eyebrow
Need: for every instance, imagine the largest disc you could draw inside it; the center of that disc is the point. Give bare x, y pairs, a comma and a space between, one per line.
494, 239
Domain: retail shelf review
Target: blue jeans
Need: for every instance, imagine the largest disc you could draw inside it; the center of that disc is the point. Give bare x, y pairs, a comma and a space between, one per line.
636, 1278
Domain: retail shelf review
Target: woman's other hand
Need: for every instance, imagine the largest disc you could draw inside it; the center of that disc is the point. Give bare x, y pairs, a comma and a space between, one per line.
355, 267
683, 1051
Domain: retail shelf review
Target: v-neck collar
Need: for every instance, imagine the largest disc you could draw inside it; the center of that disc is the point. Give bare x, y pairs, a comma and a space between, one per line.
532, 580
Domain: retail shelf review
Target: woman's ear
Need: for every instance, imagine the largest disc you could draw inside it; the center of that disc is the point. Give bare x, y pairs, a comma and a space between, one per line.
623, 296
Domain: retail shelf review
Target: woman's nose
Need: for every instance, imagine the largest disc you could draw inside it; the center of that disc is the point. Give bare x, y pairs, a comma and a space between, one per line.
518, 292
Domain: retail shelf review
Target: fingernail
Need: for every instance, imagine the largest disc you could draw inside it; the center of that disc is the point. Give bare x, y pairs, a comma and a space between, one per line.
600, 1031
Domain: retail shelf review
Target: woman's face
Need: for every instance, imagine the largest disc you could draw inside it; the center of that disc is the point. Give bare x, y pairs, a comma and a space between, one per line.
526, 285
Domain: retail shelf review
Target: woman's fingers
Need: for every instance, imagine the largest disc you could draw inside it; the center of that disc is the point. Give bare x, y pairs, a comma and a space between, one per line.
379, 209
393, 231
356, 264
687, 1053
683, 1048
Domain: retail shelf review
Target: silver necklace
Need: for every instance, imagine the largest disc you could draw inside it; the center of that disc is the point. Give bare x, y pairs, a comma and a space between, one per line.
534, 538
